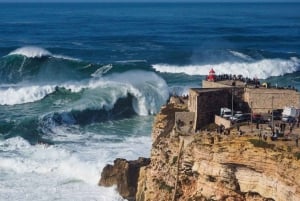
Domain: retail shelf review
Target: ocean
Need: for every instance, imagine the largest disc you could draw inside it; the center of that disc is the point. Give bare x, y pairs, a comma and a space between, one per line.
80, 83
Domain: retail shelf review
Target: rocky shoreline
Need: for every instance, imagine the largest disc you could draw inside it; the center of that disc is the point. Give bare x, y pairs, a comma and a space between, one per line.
124, 174
207, 166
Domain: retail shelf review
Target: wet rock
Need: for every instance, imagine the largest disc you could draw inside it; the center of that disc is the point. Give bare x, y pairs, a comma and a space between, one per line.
124, 174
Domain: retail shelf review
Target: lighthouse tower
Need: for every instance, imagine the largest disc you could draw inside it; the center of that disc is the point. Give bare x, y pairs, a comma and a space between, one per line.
211, 76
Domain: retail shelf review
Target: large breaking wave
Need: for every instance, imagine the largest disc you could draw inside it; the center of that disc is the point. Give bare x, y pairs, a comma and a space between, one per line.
109, 98
56, 91
27, 94
35, 64
148, 90
261, 69
36, 52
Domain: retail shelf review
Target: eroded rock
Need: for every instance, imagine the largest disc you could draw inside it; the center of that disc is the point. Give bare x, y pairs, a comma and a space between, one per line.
124, 174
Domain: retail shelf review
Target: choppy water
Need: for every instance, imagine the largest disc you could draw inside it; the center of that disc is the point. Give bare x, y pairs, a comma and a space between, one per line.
80, 83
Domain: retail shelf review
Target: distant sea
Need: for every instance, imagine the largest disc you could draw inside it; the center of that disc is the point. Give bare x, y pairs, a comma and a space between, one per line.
80, 83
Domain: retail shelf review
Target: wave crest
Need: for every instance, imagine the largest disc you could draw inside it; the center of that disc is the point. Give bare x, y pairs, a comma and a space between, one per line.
31, 52
241, 55
38, 52
147, 89
262, 69
13, 96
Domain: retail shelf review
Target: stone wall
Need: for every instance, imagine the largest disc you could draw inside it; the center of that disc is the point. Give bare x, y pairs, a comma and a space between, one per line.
237, 92
206, 103
184, 121
239, 103
208, 84
260, 99
192, 102
221, 121
263, 100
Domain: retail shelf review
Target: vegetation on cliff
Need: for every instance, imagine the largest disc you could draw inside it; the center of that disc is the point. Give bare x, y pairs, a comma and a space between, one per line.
211, 166
208, 166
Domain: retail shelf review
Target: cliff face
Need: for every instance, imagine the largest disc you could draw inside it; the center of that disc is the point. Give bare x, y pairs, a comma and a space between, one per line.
124, 174
208, 166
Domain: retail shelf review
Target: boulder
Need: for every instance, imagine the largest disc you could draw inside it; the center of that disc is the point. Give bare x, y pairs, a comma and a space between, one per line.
124, 174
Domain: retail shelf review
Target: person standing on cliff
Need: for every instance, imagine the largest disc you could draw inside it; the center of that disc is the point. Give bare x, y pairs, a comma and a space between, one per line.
291, 129
265, 137
260, 134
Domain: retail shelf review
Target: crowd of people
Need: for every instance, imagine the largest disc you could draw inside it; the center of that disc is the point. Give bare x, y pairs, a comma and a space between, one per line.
234, 77
248, 81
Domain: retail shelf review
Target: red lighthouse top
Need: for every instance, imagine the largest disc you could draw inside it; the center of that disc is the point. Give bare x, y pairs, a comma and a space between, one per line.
211, 76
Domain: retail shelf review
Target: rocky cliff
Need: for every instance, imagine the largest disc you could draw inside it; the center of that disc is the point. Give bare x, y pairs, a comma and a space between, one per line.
124, 174
209, 166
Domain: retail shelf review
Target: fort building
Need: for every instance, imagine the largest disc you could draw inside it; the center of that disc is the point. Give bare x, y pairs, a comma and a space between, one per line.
205, 103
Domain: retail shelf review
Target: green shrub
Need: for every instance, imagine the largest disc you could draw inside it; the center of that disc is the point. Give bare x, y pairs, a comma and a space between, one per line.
261, 144
174, 161
297, 155
164, 186
211, 127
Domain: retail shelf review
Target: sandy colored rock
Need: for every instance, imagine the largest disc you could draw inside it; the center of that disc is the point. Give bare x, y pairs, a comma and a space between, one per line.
124, 174
214, 167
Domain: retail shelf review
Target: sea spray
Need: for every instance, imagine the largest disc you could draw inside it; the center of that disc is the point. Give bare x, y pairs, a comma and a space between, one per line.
241, 55
148, 90
74, 162
75, 63
261, 69
15, 95
66, 168
31, 52
36, 65
38, 52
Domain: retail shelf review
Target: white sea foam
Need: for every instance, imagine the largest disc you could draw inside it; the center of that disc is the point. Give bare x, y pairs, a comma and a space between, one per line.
149, 92
102, 70
77, 43
132, 61
17, 94
261, 69
38, 52
42, 159
180, 90
65, 57
31, 52
241, 55
67, 171
27, 94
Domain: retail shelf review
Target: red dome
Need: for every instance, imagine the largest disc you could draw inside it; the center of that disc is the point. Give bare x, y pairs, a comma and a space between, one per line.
211, 76
211, 71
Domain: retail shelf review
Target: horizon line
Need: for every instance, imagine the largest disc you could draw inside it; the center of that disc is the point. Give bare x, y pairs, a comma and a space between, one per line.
149, 1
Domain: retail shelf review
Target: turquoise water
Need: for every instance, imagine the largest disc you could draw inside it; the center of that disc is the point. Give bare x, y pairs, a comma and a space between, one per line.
80, 83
